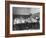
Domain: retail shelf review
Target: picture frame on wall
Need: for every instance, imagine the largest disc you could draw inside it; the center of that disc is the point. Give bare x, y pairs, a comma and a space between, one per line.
24, 18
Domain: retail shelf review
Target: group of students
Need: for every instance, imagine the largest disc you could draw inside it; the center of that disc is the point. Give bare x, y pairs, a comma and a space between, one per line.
22, 20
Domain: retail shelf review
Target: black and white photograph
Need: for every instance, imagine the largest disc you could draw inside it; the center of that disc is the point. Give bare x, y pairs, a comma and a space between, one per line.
25, 18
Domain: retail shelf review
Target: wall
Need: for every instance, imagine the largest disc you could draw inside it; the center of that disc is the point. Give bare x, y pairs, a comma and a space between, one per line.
25, 11
2, 19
